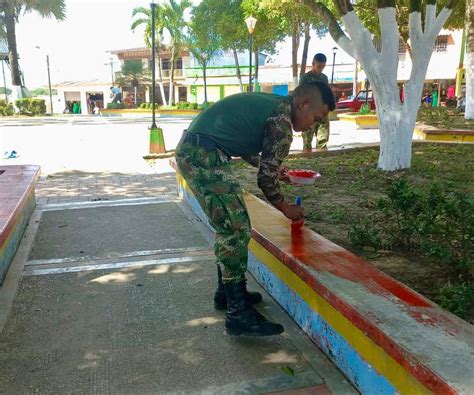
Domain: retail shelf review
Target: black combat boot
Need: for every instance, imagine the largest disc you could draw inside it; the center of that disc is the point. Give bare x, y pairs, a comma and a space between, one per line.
245, 320
220, 299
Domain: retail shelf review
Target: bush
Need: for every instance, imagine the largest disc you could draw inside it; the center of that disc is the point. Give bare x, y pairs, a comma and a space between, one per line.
184, 105
31, 106
143, 105
205, 105
435, 221
117, 106
458, 298
6, 109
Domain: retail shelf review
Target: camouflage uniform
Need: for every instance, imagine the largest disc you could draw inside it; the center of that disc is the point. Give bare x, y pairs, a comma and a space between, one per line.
321, 130
209, 174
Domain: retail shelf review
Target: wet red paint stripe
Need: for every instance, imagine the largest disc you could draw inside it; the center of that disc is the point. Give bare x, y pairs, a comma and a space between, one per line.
17, 186
421, 372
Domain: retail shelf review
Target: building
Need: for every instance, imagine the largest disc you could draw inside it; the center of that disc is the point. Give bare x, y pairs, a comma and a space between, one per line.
274, 73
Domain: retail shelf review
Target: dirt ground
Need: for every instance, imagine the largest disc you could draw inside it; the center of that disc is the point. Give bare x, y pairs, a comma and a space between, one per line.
349, 188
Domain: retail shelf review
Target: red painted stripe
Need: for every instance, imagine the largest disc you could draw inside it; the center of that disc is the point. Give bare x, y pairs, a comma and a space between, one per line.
299, 266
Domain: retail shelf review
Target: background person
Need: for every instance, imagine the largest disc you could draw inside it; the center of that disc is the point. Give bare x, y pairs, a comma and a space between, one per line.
320, 129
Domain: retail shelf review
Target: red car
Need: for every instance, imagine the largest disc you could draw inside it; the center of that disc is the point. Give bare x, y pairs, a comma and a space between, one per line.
355, 103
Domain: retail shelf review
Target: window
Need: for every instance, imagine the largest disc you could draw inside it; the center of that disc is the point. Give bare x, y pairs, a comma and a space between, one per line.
441, 44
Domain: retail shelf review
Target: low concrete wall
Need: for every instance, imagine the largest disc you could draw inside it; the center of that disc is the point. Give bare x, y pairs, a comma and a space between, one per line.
431, 133
367, 121
17, 202
384, 336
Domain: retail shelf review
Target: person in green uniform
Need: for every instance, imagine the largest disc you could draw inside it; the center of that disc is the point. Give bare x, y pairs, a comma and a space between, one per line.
257, 127
320, 129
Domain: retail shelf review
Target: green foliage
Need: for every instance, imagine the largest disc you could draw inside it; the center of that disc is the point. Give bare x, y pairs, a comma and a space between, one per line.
227, 19
364, 233
6, 109
434, 220
30, 106
186, 106
436, 116
205, 105
367, 11
458, 298
364, 109
2, 91
116, 106
42, 92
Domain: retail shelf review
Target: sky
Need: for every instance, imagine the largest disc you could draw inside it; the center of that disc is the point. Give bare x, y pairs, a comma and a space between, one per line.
77, 46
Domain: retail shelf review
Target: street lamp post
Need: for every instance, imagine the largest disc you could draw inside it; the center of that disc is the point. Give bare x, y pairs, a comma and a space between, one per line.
250, 22
49, 81
334, 51
157, 141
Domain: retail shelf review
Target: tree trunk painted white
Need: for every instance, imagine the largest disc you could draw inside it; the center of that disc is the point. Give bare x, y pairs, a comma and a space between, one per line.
396, 120
469, 113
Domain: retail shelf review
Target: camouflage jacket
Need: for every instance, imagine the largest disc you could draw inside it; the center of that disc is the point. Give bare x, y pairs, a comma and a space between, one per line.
276, 144
311, 77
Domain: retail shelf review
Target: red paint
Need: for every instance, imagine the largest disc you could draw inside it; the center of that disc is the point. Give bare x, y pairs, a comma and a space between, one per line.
17, 184
302, 173
305, 250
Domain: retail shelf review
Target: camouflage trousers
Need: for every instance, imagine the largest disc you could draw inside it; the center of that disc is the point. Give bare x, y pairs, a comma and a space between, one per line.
209, 175
321, 130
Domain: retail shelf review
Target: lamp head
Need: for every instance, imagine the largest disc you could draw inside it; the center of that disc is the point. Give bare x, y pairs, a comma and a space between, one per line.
334, 50
251, 22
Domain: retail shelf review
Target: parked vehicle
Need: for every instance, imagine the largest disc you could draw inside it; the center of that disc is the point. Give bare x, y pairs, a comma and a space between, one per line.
355, 103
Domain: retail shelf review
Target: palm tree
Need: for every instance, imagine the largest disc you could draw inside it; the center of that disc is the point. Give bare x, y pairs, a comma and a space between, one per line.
173, 19
10, 11
144, 18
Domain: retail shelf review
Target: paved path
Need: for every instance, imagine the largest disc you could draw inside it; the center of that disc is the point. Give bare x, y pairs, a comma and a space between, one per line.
113, 288
100, 144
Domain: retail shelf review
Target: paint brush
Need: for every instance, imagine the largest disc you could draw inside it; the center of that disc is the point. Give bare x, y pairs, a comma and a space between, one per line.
298, 224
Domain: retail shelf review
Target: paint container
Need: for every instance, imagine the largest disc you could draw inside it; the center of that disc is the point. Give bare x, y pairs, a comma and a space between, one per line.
296, 226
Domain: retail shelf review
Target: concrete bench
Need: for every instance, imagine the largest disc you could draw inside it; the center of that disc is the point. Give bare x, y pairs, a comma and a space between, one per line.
17, 202
431, 133
383, 336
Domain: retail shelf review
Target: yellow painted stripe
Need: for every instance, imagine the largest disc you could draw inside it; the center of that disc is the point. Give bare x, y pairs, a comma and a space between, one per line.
371, 352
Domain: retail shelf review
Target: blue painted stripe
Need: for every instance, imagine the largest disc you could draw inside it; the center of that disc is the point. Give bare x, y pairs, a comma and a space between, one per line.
361, 374
13, 241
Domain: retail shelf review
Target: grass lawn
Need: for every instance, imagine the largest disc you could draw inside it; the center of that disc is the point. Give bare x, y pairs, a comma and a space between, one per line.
415, 225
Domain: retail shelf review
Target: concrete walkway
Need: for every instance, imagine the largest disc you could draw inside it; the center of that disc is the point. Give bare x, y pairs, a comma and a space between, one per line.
111, 292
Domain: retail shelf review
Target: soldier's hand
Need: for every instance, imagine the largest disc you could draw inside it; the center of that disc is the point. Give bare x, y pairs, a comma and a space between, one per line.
283, 176
291, 211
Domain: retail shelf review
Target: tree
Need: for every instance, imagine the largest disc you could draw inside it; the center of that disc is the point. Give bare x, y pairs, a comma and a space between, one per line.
173, 20
367, 12
469, 113
143, 17
227, 18
396, 119
203, 41
268, 31
10, 11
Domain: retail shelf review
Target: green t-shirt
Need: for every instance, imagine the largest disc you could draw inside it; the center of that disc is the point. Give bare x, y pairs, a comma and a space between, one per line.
311, 77
237, 123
